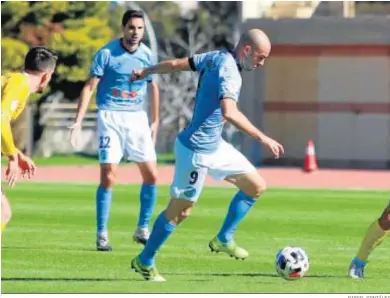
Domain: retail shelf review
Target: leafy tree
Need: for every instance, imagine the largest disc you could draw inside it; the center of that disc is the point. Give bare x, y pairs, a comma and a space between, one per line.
164, 15
75, 30
13, 52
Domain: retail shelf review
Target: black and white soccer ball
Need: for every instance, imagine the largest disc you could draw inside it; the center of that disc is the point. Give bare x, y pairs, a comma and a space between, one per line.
292, 263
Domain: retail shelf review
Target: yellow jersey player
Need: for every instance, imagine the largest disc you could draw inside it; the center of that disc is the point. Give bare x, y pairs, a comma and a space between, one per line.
375, 235
16, 87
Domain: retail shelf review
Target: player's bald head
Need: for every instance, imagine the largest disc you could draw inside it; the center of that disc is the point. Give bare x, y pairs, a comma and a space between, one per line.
256, 38
253, 48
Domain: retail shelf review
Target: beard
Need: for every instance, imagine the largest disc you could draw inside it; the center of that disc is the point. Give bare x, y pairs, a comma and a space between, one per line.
246, 63
131, 42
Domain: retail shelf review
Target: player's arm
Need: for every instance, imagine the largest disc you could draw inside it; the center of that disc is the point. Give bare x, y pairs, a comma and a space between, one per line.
8, 147
155, 108
20, 109
85, 98
155, 101
82, 107
166, 66
7, 140
99, 63
100, 60
194, 63
229, 91
233, 115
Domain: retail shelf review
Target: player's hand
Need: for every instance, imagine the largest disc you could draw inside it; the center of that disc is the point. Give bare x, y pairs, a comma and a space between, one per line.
75, 133
154, 129
12, 171
138, 74
27, 166
276, 149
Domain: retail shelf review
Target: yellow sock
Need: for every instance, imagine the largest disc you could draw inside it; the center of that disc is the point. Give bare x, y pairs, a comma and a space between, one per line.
2, 228
375, 235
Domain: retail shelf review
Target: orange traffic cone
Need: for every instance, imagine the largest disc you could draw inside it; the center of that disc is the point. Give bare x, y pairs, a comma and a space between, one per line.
310, 158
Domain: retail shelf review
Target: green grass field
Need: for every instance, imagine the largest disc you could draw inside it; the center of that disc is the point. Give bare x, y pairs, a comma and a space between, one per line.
78, 159
49, 247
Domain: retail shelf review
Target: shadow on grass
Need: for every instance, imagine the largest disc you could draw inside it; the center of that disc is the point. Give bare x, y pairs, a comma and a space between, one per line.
79, 279
253, 275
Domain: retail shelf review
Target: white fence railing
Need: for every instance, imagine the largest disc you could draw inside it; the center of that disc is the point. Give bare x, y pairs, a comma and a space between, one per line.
63, 114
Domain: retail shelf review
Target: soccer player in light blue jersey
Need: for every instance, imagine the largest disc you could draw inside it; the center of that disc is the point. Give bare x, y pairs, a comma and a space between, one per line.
200, 149
123, 124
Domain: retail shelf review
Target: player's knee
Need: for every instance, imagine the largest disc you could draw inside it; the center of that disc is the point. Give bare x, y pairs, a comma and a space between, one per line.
151, 178
148, 172
182, 215
185, 212
107, 179
257, 189
178, 210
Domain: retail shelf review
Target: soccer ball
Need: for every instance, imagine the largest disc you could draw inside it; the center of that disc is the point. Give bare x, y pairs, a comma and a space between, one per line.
292, 263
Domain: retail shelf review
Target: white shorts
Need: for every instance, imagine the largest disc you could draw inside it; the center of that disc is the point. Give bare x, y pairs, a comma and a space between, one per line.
124, 134
191, 168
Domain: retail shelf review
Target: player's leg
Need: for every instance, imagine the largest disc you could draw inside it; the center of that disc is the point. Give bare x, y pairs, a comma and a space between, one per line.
148, 196
185, 190
375, 235
165, 224
103, 204
240, 172
110, 154
139, 147
6, 212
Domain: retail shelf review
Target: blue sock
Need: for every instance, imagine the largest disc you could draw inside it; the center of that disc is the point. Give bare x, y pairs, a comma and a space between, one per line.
162, 229
148, 201
239, 207
103, 205
359, 262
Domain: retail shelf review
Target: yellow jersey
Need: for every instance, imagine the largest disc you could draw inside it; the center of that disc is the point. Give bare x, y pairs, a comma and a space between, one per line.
14, 96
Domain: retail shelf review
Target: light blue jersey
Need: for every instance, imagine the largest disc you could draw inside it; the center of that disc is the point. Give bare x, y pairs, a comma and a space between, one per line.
219, 77
113, 64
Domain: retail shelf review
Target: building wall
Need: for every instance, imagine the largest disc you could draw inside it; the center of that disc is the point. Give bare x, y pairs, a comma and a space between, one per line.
337, 94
